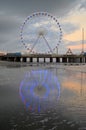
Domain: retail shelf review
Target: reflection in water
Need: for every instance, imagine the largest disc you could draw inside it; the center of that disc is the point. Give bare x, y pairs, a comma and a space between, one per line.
39, 89
82, 77
74, 80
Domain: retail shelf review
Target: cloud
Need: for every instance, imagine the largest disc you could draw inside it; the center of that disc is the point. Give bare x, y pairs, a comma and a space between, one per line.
3, 41
9, 23
82, 5
75, 46
9, 31
26, 7
54, 28
69, 27
37, 24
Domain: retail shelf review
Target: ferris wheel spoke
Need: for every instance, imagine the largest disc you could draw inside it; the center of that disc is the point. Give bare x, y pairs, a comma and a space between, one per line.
34, 44
48, 45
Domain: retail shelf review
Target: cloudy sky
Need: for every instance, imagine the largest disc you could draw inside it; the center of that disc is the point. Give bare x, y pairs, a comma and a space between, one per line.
71, 15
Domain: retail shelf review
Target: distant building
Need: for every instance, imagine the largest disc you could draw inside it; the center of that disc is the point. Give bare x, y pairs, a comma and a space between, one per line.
2, 53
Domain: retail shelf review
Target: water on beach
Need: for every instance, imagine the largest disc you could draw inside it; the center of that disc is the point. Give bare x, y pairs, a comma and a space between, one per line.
42, 97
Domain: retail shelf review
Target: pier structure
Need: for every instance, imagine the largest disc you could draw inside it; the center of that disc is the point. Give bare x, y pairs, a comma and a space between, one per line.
38, 58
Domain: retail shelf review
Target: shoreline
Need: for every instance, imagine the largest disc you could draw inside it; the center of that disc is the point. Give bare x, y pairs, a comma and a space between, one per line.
69, 66
42, 63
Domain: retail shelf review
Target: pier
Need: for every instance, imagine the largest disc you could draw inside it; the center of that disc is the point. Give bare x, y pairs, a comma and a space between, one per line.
44, 58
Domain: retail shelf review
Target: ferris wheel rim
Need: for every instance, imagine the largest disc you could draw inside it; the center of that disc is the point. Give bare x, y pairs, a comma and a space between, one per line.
40, 14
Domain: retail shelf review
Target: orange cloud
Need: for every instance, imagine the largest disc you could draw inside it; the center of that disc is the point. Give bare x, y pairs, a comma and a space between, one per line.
76, 18
76, 47
75, 36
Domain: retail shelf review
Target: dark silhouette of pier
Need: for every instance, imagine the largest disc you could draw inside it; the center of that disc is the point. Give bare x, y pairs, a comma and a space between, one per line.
73, 58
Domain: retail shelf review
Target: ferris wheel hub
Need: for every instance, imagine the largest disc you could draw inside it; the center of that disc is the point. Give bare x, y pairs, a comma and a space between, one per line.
41, 31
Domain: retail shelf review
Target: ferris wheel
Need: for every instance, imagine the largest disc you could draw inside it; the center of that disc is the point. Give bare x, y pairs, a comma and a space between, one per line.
41, 33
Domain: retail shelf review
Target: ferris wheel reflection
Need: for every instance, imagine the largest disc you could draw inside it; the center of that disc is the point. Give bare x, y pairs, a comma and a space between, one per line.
39, 90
